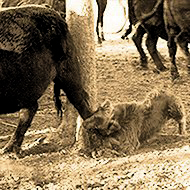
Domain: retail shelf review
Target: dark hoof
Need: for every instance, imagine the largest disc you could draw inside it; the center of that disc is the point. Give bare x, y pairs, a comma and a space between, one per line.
175, 77
141, 68
124, 37
163, 69
99, 41
10, 153
11, 149
157, 71
144, 66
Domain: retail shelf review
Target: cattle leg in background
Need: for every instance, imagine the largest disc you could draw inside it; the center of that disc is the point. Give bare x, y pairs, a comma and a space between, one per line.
153, 26
172, 47
25, 119
176, 16
151, 42
183, 43
101, 8
137, 39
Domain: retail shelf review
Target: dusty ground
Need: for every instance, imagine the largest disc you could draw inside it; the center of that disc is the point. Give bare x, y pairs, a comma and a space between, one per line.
161, 164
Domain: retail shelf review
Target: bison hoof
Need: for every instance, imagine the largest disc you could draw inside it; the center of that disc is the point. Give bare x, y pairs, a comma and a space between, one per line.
144, 66
160, 69
124, 37
99, 41
163, 69
13, 151
157, 71
175, 76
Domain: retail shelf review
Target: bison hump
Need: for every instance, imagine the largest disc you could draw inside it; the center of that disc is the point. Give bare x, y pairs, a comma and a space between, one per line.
21, 28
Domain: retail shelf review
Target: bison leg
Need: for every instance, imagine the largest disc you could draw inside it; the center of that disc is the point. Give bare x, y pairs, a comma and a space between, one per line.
151, 42
182, 41
172, 53
137, 39
26, 116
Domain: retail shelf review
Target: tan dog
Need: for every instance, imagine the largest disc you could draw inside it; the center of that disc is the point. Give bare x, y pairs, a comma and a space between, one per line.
124, 126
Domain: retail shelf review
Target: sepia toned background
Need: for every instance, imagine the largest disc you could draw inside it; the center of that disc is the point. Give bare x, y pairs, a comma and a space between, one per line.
161, 164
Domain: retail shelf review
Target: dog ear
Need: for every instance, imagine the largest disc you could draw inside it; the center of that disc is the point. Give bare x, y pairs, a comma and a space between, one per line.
99, 120
113, 126
106, 106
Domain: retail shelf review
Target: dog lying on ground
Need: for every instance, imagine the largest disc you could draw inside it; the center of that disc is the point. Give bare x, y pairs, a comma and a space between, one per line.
125, 126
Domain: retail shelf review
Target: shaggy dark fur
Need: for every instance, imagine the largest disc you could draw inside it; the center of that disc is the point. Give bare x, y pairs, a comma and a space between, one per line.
129, 124
36, 48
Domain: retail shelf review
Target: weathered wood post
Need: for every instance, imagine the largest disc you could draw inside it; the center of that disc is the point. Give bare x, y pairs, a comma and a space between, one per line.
80, 20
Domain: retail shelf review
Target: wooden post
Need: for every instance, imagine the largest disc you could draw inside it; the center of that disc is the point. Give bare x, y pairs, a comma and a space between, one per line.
80, 20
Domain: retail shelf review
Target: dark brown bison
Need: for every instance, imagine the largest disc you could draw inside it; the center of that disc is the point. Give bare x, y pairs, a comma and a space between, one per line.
126, 125
58, 5
153, 26
14, 3
177, 21
36, 48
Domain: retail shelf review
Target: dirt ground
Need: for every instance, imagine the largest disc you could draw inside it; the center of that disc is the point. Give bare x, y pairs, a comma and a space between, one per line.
161, 164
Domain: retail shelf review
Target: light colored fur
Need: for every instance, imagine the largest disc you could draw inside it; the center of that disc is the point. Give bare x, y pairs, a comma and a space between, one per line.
142, 120
131, 123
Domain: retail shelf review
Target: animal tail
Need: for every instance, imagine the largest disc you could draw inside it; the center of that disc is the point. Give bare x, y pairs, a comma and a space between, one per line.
120, 28
132, 19
149, 15
127, 32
